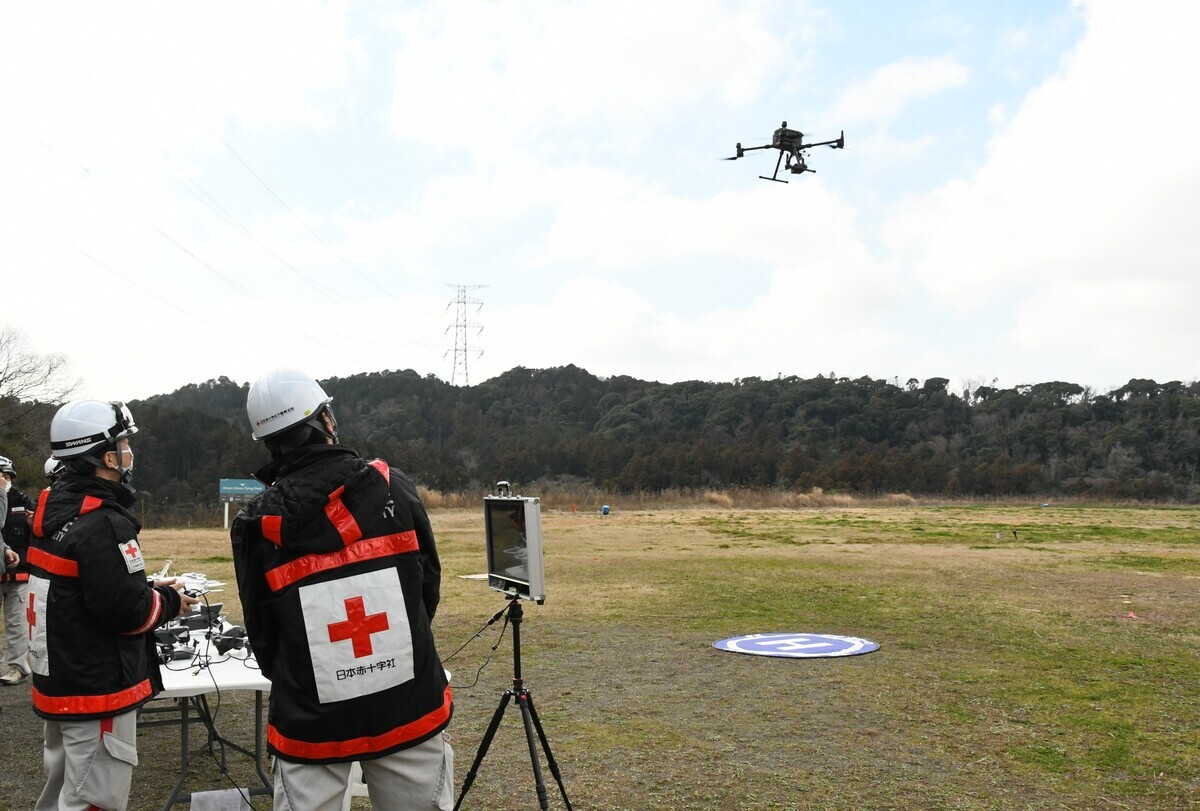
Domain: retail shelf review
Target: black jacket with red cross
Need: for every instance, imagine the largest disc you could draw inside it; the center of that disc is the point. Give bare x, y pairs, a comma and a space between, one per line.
339, 578
91, 610
16, 534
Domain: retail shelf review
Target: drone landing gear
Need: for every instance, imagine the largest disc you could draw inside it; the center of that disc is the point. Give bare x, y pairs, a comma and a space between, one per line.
528, 715
775, 177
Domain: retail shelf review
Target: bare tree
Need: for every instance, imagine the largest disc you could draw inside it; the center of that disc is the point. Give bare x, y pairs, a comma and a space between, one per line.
27, 378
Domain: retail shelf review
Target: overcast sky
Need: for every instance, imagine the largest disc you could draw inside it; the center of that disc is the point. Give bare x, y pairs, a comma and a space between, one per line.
205, 189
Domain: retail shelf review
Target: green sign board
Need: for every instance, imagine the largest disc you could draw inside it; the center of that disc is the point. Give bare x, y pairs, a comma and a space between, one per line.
240, 490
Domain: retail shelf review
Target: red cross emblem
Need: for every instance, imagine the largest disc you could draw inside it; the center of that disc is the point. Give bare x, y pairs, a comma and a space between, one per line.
358, 627
130, 549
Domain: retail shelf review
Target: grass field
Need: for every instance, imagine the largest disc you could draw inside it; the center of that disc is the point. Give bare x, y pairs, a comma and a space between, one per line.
1057, 669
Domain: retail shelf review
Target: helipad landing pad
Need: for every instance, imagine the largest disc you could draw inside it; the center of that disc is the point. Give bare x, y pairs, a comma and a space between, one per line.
797, 646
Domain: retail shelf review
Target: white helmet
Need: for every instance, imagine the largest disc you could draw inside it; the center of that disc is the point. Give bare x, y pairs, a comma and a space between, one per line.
6, 466
284, 398
53, 468
83, 426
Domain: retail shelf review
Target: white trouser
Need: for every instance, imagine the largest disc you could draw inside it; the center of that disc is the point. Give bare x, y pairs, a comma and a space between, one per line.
16, 627
89, 764
419, 778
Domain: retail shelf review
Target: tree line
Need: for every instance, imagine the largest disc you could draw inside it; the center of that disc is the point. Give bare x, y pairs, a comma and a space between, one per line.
863, 436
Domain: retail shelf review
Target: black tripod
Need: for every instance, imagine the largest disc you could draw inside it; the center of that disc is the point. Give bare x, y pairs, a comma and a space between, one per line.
528, 715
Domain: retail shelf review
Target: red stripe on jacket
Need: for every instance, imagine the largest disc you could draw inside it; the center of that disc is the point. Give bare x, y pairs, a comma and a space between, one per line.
327, 750
384, 470
53, 563
339, 515
381, 547
111, 703
41, 511
90, 504
272, 525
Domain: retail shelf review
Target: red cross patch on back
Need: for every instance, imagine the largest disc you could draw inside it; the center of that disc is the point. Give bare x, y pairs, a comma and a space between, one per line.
39, 594
358, 634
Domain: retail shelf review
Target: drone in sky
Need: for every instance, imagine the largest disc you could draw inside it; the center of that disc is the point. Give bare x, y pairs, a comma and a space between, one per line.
791, 143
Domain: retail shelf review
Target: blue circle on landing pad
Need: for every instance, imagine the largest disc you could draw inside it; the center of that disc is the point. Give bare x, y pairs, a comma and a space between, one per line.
797, 646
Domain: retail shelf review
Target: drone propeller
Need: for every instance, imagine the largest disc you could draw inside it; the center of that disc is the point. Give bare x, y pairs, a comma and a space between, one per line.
740, 153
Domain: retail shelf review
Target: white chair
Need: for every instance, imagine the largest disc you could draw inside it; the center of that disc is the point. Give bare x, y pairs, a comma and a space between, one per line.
357, 786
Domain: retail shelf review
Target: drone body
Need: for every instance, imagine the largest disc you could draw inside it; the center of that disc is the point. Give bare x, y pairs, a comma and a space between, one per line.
790, 143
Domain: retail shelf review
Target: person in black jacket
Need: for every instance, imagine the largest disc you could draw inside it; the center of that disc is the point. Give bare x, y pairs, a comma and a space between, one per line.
14, 581
92, 612
339, 578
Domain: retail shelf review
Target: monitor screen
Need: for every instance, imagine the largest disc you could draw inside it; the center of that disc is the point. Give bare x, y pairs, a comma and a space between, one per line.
513, 526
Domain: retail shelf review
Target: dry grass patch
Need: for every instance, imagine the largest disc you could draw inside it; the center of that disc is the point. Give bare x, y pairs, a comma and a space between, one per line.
1010, 675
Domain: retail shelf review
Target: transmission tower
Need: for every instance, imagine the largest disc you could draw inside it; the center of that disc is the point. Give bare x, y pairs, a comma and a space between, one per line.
462, 326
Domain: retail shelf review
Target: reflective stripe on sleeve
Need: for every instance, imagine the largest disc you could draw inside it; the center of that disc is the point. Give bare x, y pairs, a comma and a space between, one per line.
152, 620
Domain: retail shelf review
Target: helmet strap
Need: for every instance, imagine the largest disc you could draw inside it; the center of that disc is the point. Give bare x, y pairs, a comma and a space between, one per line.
125, 473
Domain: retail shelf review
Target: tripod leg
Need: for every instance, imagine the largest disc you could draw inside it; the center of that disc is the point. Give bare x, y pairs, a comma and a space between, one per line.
483, 747
537, 723
543, 798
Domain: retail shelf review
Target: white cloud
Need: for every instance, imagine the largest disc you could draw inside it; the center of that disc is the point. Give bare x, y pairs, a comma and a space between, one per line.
563, 153
490, 78
883, 95
117, 81
1089, 180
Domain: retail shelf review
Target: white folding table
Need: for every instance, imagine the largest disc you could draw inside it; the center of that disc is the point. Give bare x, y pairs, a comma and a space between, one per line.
187, 683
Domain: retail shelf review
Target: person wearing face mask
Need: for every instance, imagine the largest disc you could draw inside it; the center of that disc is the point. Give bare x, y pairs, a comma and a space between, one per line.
92, 613
4, 550
14, 578
8, 555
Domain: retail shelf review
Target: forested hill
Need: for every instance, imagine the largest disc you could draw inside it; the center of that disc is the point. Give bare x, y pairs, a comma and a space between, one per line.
864, 436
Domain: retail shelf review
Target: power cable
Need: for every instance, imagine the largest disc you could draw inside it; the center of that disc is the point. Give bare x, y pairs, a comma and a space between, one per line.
123, 277
197, 191
303, 224
90, 177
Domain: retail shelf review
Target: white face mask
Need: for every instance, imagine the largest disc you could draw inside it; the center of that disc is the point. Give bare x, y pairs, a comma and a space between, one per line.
7, 483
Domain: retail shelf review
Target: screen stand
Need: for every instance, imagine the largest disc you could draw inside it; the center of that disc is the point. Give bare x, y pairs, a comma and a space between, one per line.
528, 715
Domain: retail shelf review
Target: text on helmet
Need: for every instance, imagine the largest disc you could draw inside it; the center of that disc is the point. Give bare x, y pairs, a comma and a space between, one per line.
265, 420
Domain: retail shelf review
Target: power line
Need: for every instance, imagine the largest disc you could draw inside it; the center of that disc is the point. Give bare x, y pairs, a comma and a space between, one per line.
225, 278
230, 280
462, 326
303, 224
210, 202
173, 305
